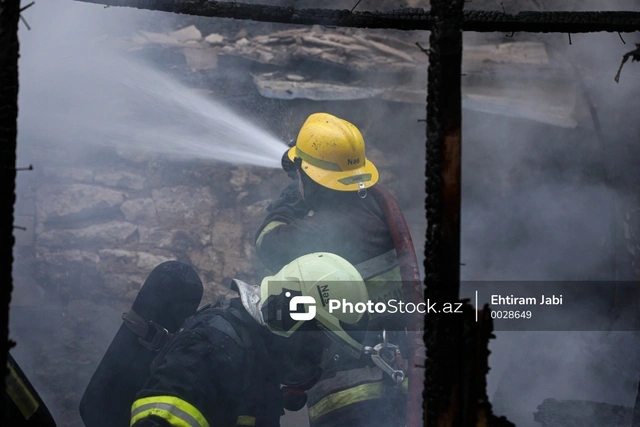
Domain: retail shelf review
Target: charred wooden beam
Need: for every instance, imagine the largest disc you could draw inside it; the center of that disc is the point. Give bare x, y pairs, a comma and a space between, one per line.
482, 409
457, 344
400, 19
444, 332
9, 17
551, 22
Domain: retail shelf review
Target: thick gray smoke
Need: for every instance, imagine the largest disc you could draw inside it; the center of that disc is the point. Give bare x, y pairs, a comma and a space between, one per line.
89, 110
85, 106
539, 203
538, 200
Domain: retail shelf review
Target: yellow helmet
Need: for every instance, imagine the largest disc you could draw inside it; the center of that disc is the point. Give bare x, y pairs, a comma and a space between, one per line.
333, 154
315, 279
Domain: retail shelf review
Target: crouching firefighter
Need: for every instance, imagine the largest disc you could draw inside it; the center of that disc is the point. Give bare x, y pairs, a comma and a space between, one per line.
241, 362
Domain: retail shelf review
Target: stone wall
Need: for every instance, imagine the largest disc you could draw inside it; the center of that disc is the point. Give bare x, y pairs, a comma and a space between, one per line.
100, 230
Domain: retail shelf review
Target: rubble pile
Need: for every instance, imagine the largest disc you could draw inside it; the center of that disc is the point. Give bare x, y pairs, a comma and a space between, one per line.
513, 79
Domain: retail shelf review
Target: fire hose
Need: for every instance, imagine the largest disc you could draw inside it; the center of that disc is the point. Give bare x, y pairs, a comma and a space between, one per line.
412, 292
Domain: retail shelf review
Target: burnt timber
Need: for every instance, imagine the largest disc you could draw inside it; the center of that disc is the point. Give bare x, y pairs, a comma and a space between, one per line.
9, 53
400, 19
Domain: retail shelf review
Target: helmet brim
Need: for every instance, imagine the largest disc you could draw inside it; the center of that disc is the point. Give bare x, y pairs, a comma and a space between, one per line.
340, 180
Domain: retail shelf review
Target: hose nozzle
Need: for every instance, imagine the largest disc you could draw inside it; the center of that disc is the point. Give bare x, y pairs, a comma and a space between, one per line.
288, 166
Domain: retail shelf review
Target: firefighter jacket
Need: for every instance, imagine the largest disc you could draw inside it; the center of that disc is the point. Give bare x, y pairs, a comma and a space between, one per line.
215, 372
354, 228
23, 406
341, 223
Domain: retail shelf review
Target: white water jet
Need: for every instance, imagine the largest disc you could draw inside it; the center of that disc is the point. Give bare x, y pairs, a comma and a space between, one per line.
81, 92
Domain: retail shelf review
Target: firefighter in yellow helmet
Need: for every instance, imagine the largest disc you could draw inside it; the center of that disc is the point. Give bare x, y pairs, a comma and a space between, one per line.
327, 208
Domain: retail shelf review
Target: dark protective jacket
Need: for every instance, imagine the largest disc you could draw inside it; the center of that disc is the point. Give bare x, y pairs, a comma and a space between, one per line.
354, 228
342, 223
214, 372
23, 407
338, 222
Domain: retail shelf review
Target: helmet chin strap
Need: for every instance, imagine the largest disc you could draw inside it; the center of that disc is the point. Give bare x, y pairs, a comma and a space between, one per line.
250, 297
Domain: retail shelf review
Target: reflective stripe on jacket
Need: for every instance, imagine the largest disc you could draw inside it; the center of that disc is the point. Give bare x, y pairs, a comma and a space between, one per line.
175, 411
348, 388
23, 407
20, 394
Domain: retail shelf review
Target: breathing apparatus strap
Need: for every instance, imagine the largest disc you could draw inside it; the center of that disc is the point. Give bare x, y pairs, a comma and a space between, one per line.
378, 265
142, 327
230, 321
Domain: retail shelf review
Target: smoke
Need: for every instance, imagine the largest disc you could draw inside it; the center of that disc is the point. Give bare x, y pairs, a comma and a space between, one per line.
90, 107
86, 105
537, 199
539, 203
83, 89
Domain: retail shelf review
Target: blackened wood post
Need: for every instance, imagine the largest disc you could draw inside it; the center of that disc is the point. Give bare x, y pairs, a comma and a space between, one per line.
9, 16
444, 332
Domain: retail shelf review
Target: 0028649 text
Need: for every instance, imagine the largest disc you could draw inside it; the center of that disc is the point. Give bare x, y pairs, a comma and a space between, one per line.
511, 314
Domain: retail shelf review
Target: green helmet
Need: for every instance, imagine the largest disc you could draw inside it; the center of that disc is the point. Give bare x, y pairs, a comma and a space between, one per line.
300, 292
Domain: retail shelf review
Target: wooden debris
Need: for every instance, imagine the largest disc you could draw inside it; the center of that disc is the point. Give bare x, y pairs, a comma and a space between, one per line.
215, 39
190, 33
242, 42
385, 48
271, 85
507, 53
323, 42
512, 79
146, 37
199, 59
241, 34
396, 42
358, 51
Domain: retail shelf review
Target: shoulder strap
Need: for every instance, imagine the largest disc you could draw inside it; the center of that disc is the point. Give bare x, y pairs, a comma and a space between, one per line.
142, 327
378, 265
230, 322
